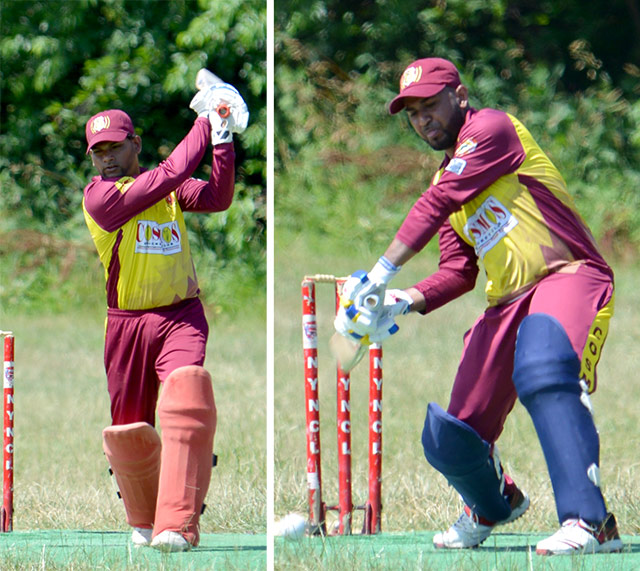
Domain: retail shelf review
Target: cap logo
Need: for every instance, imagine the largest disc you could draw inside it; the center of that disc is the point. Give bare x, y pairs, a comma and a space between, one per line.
410, 75
100, 123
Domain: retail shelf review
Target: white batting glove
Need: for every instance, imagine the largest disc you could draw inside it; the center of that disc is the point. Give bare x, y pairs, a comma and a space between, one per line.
226, 101
220, 129
374, 321
396, 302
200, 104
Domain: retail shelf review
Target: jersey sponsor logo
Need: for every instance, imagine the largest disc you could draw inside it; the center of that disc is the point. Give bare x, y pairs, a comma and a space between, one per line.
99, 123
491, 222
410, 75
154, 238
466, 147
456, 166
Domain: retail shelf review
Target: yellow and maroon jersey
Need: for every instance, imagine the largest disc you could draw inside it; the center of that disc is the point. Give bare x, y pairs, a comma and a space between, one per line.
499, 200
138, 227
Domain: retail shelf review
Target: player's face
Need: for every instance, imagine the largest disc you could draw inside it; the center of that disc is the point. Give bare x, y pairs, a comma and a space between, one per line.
115, 159
438, 119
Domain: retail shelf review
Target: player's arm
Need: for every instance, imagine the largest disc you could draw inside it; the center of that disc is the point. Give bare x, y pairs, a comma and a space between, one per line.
456, 275
112, 204
216, 194
367, 322
228, 114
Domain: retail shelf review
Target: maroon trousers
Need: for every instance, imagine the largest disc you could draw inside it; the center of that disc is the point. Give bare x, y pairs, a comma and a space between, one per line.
142, 347
483, 393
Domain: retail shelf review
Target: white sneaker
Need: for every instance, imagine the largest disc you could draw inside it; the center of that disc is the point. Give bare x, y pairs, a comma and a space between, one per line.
578, 536
170, 541
471, 530
141, 536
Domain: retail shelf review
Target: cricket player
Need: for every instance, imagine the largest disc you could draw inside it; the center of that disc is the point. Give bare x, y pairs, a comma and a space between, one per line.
498, 200
156, 330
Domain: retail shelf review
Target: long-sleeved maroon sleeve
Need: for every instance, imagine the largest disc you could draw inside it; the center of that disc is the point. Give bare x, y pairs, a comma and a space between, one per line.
216, 194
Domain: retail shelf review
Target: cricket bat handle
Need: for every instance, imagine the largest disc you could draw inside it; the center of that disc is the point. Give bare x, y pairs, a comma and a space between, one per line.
372, 301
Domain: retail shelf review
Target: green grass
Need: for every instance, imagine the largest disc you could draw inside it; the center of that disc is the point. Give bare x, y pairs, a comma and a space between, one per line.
419, 365
61, 407
79, 549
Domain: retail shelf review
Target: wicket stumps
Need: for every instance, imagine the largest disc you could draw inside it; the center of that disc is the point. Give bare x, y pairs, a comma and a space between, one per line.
317, 507
6, 515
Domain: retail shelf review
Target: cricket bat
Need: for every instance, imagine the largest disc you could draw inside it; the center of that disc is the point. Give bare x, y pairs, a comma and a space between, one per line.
205, 79
347, 352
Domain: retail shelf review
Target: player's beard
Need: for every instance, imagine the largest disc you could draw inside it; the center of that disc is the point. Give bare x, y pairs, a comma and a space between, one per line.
450, 132
112, 171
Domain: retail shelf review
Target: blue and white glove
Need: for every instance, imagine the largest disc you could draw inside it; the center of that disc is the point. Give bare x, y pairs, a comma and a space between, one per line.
362, 302
396, 302
363, 294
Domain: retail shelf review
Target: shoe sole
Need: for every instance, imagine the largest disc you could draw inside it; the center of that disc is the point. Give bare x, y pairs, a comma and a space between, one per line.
613, 546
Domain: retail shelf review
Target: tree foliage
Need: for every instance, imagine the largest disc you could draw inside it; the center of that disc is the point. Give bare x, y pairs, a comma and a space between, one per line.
62, 62
568, 69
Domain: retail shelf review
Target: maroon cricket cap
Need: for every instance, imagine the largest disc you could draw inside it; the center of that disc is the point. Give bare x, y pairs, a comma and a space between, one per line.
425, 78
111, 125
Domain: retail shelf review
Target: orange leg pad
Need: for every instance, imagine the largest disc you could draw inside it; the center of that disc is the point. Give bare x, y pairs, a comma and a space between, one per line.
134, 451
187, 416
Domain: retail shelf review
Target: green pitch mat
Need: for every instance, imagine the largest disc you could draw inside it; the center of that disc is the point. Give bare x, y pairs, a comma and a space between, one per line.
415, 551
62, 549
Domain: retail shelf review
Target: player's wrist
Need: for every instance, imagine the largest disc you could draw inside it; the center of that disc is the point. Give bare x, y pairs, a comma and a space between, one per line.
383, 271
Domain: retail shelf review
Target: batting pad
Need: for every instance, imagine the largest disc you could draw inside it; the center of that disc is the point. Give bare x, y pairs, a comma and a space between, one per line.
187, 416
545, 374
133, 452
459, 453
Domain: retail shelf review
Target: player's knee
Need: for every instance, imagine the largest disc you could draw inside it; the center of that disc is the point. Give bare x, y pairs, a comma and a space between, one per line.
188, 392
544, 358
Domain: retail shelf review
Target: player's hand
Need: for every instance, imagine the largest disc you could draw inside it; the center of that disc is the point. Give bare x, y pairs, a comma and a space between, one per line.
201, 103
397, 302
375, 324
225, 100
358, 332
352, 320
360, 300
227, 96
363, 294
220, 129
378, 329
